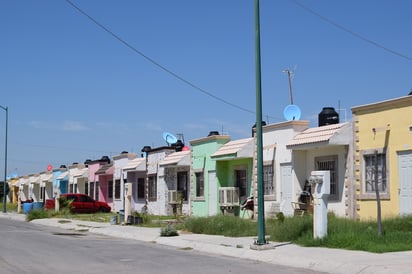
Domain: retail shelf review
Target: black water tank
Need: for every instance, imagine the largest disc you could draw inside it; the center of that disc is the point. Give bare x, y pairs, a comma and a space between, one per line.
105, 159
178, 145
328, 116
213, 133
254, 127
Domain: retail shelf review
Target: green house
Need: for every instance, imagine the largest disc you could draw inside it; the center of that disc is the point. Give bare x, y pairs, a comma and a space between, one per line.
221, 174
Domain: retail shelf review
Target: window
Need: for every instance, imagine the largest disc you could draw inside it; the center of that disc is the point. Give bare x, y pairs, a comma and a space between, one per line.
200, 184
374, 165
96, 195
182, 184
110, 190
330, 163
241, 181
268, 183
42, 191
72, 188
152, 188
140, 188
117, 189
91, 185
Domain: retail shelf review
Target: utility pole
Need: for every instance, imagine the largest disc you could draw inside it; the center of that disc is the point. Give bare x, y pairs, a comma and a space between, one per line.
5, 161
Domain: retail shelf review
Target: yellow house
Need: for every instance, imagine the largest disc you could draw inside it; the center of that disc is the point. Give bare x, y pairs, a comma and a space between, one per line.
383, 151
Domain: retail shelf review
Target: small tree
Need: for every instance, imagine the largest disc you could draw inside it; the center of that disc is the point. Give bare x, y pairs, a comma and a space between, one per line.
378, 198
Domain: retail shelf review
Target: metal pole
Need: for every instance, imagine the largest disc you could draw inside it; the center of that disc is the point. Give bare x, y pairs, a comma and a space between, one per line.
5, 162
290, 88
261, 210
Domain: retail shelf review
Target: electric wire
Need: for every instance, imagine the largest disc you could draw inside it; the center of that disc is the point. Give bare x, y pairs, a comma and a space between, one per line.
354, 34
157, 64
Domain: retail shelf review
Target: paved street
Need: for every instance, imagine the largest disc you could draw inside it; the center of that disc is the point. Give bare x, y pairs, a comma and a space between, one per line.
31, 248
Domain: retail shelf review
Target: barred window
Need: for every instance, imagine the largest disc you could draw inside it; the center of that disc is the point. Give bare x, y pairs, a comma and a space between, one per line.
375, 165
200, 184
330, 163
268, 183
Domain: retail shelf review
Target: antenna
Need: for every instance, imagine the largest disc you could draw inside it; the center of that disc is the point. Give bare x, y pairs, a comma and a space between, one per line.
291, 112
180, 137
289, 72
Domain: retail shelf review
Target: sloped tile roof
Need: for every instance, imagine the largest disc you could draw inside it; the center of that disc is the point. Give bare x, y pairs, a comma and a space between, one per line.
136, 164
315, 135
239, 148
105, 169
180, 158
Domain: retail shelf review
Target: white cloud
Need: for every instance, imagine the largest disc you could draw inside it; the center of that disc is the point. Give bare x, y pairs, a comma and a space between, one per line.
74, 126
65, 126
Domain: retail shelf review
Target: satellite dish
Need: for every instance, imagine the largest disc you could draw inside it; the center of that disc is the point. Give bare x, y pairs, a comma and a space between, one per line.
291, 112
169, 138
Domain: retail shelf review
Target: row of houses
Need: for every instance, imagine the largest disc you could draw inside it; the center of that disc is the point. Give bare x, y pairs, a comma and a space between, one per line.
217, 174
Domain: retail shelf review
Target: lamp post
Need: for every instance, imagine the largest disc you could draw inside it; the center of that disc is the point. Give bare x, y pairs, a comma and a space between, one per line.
5, 161
261, 211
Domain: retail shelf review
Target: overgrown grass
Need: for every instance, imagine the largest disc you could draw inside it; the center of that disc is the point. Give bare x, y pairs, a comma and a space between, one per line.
37, 214
289, 229
347, 234
10, 207
220, 225
342, 233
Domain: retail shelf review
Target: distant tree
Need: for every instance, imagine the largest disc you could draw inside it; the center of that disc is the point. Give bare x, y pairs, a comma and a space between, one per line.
2, 190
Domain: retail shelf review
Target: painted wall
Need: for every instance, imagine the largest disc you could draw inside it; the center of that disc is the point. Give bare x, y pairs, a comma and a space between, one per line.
119, 162
154, 157
201, 161
388, 122
334, 205
170, 179
132, 177
275, 137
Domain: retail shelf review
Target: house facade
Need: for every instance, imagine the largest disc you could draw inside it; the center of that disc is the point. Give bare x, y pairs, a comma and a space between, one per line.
135, 173
115, 175
327, 147
234, 169
281, 185
383, 157
203, 179
177, 181
156, 187
77, 178
97, 169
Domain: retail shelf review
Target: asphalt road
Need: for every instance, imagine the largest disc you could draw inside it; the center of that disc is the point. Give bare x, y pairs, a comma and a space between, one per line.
27, 248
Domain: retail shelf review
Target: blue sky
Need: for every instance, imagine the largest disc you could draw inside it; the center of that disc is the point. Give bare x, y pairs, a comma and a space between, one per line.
75, 92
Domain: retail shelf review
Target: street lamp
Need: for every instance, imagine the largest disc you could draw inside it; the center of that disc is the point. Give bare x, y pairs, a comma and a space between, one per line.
259, 143
5, 161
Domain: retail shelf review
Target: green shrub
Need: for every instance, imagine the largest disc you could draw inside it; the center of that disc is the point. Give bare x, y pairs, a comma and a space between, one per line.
37, 214
280, 217
64, 203
168, 231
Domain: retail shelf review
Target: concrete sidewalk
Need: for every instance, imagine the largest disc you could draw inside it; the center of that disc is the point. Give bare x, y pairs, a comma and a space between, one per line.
317, 259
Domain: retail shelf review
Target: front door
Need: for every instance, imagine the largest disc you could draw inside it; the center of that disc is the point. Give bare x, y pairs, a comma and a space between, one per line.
405, 182
286, 189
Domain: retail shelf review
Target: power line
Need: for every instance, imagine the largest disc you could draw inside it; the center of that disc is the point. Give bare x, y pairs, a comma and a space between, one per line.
354, 34
157, 64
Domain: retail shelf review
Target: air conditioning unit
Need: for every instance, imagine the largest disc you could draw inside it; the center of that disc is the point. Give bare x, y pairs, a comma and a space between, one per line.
172, 196
229, 196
